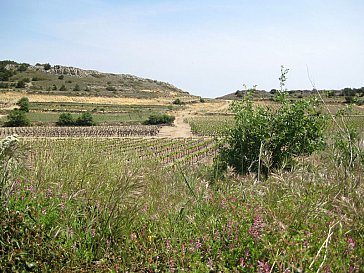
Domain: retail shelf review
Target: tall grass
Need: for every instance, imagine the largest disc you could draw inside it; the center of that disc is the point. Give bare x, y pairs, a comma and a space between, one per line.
77, 209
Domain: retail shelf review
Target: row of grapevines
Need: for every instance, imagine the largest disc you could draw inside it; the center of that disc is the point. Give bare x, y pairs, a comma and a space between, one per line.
97, 131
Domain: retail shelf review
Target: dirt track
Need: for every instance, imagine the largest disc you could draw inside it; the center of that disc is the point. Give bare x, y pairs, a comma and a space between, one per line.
183, 129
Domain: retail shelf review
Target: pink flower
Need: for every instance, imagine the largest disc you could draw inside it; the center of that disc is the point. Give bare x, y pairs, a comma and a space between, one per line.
263, 267
256, 228
44, 211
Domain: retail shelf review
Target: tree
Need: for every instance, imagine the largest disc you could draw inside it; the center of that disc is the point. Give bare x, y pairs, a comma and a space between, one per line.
265, 139
23, 103
65, 119
86, 119
17, 118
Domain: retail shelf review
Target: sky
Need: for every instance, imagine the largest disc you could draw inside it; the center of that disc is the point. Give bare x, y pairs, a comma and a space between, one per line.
206, 47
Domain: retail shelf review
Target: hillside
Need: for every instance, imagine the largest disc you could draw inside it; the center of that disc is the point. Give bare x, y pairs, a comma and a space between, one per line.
64, 80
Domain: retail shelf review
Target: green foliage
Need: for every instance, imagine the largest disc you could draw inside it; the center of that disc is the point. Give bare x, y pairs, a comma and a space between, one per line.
61, 77
265, 139
47, 66
86, 119
6, 74
17, 118
23, 67
23, 103
65, 119
178, 102
110, 88
22, 83
155, 119
77, 88
63, 88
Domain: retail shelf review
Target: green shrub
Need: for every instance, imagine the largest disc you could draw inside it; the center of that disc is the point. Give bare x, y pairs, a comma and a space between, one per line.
77, 88
65, 119
264, 139
17, 118
61, 77
155, 119
23, 103
63, 88
110, 88
178, 102
22, 83
86, 119
47, 66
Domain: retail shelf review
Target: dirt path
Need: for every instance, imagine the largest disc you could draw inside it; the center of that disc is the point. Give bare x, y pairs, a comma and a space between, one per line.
183, 129
179, 128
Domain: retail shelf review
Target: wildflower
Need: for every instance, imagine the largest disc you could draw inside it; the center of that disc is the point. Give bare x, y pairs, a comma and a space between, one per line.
256, 228
93, 232
263, 267
242, 262
44, 211
172, 266
351, 244
133, 236
49, 193
168, 244
198, 244
210, 263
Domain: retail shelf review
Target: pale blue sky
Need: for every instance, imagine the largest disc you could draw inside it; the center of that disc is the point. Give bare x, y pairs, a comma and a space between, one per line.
208, 48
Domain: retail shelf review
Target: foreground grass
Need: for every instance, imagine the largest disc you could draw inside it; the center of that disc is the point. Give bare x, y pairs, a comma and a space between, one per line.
74, 210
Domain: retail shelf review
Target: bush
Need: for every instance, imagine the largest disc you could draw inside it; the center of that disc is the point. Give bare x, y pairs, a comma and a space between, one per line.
47, 66
65, 119
61, 77
110, 88
23, 103
17, 118
77, 88
63, 88
22, 83
155, 119
178, 102
264, 139
86, 119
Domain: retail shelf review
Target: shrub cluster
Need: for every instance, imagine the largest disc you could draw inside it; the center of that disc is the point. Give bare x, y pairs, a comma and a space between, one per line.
66, 119
155, 119
18, 117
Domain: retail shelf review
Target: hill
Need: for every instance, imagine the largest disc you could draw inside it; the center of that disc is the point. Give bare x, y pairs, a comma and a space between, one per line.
65, 80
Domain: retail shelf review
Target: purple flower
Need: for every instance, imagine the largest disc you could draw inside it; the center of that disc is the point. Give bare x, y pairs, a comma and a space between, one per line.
256, 228
263, 267
198, 244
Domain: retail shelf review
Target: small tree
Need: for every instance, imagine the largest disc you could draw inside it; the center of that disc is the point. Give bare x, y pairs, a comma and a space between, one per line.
86, 119
264, 139
65, 119
17, 118
23, 103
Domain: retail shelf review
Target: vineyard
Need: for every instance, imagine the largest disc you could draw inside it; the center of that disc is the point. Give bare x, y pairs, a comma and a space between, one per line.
184, 151
218, 126
210, 125
97, 131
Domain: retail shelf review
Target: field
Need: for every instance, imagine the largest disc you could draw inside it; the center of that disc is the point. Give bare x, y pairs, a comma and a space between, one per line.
130, 199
